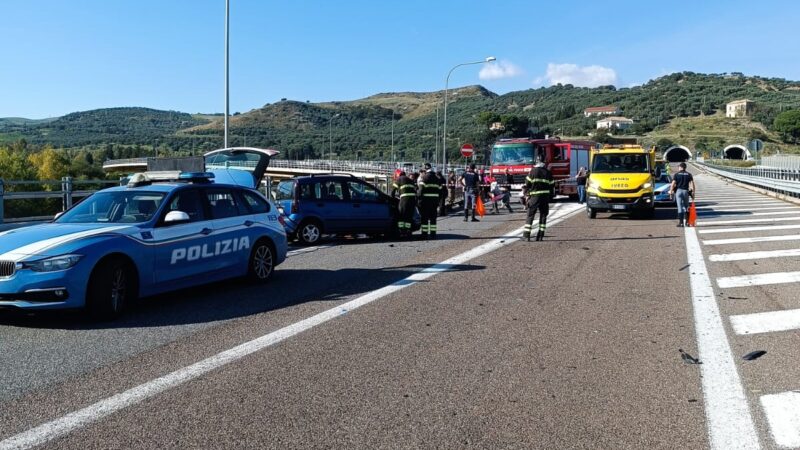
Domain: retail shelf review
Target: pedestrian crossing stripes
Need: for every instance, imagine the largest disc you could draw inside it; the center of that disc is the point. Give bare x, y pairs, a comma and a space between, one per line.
749, 229
759, 279
737, 214
731, 222
752, 240
766, 322
783, 414
739, 209
754, 255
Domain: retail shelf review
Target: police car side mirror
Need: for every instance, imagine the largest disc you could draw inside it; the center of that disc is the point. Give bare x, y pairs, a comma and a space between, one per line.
174, 217
58, 215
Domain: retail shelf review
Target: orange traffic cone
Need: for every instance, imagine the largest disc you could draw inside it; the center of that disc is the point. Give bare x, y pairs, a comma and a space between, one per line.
479, 208
692, 215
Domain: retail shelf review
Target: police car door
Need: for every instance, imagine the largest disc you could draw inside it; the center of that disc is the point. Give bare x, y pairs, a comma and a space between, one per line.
231, 221
180, 246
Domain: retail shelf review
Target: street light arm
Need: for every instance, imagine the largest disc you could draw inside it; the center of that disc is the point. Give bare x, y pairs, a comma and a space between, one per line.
444, 124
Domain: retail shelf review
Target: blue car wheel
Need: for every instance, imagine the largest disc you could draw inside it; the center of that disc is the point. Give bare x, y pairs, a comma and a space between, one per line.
112, 286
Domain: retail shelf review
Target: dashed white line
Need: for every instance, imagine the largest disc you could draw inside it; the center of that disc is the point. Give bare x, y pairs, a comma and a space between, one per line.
748, 229
726, 257
753, 240
78, 419
729, 422
777, 213
766, 322
759, 279
783, 415
737, 209
731, 222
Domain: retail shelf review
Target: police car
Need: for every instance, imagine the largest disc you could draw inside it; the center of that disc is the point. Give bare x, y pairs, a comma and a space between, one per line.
163, 231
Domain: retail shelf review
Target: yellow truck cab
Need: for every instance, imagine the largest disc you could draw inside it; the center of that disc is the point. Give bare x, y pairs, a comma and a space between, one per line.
621, 179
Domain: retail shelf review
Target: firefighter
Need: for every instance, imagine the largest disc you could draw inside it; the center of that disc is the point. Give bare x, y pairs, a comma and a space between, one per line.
539, 186
429, 190
404, 188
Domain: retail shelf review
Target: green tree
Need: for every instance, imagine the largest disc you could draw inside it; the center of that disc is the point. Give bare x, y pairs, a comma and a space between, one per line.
788, 124
49, 164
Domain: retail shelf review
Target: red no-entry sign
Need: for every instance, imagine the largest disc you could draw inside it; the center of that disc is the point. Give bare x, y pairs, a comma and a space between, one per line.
467, 150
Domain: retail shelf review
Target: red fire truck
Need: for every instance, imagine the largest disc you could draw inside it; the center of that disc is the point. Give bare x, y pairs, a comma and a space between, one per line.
512, 160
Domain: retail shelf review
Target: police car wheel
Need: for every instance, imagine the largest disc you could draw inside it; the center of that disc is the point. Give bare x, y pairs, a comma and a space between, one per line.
112, 286
262, 261
309, 232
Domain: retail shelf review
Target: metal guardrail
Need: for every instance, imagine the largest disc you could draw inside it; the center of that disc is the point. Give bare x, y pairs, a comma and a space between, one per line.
783, 181
66, 192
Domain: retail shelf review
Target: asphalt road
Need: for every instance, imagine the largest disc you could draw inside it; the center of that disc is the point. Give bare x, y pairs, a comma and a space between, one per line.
568, 343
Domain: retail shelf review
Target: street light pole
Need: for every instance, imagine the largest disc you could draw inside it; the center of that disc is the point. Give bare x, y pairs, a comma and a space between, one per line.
444, 123
227, 90
330, 138
393, 135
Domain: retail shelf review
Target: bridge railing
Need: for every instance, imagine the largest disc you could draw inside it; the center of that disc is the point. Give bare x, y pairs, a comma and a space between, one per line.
781, 180
67, 189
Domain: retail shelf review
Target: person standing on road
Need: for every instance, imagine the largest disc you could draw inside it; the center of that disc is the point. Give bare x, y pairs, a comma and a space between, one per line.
429, 190
451, 188
682, 188
538, 187
442, 192
407, 204
580, 180
471, 182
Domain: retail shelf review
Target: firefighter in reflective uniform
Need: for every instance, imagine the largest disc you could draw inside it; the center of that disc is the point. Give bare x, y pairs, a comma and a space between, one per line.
539, 186
429, 190
405, 189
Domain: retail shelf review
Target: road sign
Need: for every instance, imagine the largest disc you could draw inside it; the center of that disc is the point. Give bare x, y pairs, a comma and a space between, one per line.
467, 150
756, 145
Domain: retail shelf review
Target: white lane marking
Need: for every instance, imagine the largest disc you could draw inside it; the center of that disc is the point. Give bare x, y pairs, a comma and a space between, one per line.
77, 419
300, 251
737, 209
740, 204
729, 422
735, 197
777, 213
766, 322
759, 279
755, 255
783, 415
752, 240
746, 229
729, 222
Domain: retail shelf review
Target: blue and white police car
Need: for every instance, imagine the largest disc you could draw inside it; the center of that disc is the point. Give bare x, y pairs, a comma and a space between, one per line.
161, 232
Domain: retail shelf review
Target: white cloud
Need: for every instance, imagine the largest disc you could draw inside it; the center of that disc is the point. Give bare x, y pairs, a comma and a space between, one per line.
586, 76
499, 69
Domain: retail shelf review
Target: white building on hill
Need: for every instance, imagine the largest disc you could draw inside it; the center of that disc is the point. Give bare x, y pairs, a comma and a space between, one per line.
614, 122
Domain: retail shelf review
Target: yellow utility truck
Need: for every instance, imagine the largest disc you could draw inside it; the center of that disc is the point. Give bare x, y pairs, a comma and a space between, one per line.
621, 179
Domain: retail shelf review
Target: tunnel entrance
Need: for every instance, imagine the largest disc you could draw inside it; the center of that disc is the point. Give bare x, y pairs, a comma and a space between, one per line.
677, 153
736, 152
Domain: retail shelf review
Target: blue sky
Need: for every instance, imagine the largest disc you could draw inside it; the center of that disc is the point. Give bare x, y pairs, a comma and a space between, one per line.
63, 56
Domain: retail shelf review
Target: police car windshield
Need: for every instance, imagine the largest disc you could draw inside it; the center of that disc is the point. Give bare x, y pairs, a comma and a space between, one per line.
115, 207
512, 154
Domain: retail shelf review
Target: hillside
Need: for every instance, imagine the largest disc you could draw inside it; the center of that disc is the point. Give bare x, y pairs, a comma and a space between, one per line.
100, 126
682, 107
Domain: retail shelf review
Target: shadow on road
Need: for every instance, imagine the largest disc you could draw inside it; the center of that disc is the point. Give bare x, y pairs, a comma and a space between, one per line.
231, 299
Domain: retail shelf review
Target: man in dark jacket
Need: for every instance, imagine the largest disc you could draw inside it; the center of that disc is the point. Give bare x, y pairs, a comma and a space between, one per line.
472, 184
539, 186
429, 189
442, 192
